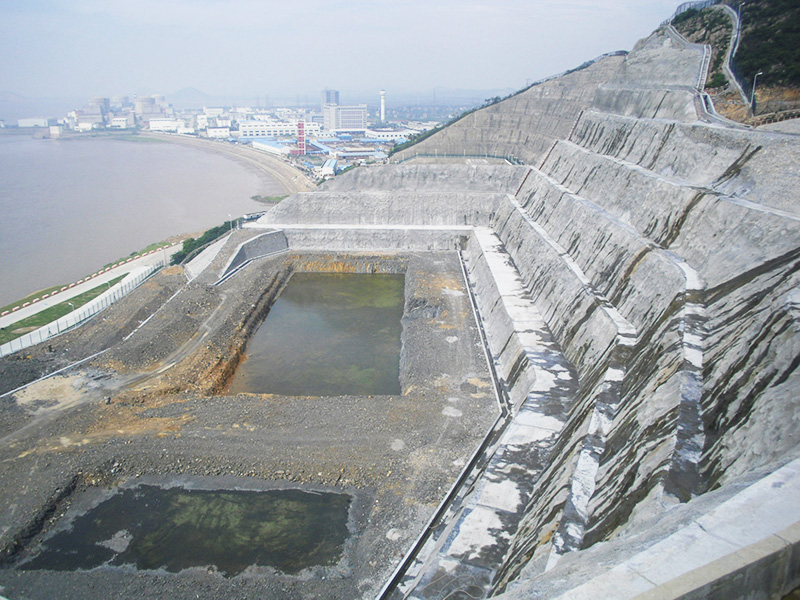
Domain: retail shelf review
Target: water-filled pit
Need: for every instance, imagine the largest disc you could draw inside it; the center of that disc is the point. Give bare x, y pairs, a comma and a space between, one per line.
328, 334
175, 528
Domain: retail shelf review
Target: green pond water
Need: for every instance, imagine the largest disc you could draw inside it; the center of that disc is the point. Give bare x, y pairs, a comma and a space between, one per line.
177, 528
327, 335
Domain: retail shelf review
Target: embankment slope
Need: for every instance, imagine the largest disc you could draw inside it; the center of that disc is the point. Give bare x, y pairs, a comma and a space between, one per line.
662, 252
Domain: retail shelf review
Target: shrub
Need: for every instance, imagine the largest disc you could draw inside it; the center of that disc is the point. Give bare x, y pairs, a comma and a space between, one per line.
192, 244
717, 80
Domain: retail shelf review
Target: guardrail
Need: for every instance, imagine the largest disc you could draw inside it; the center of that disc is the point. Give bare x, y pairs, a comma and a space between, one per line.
81, 314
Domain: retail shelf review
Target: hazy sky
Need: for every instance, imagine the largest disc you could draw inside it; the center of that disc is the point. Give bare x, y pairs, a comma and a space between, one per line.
82, 48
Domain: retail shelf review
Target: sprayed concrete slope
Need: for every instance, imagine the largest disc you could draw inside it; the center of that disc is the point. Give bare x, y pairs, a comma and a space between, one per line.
637, 280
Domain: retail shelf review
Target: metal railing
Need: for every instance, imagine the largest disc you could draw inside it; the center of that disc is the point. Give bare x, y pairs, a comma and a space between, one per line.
81, 314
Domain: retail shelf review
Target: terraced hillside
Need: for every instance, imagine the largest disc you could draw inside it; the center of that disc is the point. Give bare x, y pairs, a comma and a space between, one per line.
637, 282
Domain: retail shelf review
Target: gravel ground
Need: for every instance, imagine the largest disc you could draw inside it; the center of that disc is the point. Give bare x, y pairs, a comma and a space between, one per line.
154, 405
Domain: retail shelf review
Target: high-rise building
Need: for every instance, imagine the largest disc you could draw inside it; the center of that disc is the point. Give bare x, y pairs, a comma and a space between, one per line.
330, 97
383, 106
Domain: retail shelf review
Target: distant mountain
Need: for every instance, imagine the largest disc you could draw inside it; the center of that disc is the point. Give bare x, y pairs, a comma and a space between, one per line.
189, 97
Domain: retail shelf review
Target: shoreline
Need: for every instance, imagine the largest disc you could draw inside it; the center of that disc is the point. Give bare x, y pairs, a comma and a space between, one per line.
272, 173
292, 179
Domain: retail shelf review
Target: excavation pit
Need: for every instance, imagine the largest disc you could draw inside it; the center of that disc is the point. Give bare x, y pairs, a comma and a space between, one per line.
176, 425
175, 528
328, 334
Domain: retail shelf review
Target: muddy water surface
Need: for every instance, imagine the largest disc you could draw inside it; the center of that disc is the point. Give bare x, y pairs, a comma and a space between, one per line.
327, 335
176, 528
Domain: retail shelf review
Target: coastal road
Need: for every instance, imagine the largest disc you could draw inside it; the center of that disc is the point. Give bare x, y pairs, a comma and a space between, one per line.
157, 257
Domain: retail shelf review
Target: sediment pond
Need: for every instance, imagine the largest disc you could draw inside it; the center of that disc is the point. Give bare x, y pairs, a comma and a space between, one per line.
328, 334
176, 528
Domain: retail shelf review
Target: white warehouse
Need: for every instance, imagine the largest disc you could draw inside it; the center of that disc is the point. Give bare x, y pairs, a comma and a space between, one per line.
259, 129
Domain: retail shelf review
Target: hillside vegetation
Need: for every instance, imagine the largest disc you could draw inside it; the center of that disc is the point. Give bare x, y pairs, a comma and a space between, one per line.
769, 45
710, 26
770, 42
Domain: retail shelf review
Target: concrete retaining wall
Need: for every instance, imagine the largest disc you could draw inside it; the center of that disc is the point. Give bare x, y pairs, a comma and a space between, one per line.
265, 244
451, 178
527, 124
343, 237
646, 103
568, 306
408, 207
689, 153
516, 373
741, 545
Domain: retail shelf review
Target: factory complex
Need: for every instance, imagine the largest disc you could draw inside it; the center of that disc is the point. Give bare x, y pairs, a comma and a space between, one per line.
322, 140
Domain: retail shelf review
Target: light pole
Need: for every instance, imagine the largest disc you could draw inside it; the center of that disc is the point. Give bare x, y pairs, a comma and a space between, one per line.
753, 93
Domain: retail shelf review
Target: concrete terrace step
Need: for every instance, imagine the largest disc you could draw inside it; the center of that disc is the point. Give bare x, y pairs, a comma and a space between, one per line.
450, 178
747, 541
650, 177
694, 153
378, 207
609, 251
465, 551
644, 293
572, 305
649, 203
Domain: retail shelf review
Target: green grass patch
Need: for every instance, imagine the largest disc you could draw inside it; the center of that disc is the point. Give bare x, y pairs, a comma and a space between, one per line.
55, 288
53, 313
140, 138
30, 298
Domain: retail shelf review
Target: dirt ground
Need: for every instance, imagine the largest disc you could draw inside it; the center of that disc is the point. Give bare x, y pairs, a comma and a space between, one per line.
151, 404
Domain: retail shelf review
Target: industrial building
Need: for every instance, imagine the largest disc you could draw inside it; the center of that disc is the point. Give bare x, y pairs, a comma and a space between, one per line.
260, 129
345, 118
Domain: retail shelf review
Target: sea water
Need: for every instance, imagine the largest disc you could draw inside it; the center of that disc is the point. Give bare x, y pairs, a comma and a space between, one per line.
70, 206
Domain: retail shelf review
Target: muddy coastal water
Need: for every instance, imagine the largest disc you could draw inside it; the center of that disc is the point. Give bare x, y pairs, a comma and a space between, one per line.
70, 206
